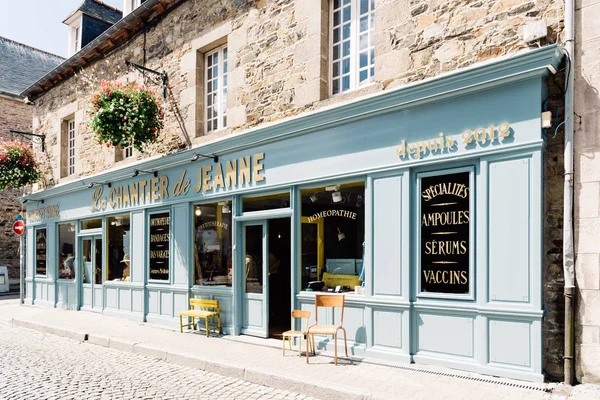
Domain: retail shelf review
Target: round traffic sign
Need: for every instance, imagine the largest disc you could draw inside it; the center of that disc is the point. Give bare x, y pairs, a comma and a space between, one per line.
19, 227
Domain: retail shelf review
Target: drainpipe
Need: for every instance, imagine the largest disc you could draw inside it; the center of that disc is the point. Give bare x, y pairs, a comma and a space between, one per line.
568, 252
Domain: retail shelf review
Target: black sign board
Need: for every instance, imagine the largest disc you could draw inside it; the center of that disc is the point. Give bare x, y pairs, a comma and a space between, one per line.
159, 246
445, 220
40, 251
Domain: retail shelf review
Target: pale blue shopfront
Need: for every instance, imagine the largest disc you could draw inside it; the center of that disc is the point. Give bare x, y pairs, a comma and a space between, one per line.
482, 124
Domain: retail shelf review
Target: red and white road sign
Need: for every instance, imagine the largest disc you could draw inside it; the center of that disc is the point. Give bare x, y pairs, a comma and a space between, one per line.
19, 227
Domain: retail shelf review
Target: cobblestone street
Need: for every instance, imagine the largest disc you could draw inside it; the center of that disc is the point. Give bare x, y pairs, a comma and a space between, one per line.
37, 365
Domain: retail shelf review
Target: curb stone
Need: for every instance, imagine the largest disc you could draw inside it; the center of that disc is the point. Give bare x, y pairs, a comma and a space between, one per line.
211, 366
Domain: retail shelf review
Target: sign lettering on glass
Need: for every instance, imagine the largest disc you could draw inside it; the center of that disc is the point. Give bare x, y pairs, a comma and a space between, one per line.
159, 246
40, 252
445, 221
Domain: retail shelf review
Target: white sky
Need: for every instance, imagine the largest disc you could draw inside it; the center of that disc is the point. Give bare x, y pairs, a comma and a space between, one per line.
38, 23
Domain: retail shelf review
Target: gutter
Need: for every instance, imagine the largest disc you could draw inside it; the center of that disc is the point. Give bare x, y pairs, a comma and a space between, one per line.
91, 48
568, 251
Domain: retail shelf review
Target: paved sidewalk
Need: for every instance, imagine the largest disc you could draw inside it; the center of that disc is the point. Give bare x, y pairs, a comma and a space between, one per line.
261, 362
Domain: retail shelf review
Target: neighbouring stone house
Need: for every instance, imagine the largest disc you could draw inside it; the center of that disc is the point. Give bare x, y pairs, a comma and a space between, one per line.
20, 66
281, 64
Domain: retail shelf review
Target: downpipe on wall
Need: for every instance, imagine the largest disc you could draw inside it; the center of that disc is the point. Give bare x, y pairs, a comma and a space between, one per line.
568, 251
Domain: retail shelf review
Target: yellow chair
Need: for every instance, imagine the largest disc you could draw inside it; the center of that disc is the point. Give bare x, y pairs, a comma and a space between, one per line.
201, 308
327, 300
288, 335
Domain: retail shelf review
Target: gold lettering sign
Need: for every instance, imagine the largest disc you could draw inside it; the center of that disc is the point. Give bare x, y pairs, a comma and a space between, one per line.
446, 144
243, 171
332, 213
42, 213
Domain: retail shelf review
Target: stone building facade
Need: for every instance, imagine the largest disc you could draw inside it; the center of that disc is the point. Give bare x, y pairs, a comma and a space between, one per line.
20, 66
14, 115
279, 67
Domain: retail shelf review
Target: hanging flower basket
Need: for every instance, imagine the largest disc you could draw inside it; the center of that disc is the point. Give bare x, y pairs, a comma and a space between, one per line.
17, 166
125, 115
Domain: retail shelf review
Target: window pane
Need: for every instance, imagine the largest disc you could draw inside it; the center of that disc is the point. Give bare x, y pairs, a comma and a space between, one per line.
225, 54
269, 202
336, 86
336, 35
40, 251
336, 4
87, 267
118, 229
336, 52
364, 59
216, 60
209, 73
91, 224
66, 250
363, 75
346, 46
345, 83
336, 18
332, 235
347, 14
253, 258
364, 24
159, 246
209, 60
212, 244
346, 29
346, 66
336, 69
364, 6
363, 43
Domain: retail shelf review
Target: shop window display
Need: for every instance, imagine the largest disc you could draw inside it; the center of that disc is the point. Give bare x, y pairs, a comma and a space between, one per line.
332, 237
66, 250
212, 244
40, 251
160, 252
119, 243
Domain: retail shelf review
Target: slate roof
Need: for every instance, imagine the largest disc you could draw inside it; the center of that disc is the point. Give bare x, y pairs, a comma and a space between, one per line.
22, 65
98, 10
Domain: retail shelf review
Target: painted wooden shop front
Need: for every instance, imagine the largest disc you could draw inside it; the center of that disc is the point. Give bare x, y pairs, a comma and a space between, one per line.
437, 186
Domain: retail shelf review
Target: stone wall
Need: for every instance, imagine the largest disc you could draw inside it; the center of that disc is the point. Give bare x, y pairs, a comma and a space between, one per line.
587, 189
15, 115
278, 62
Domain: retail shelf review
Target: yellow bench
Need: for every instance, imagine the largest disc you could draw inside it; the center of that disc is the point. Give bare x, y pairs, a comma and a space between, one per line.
201, 308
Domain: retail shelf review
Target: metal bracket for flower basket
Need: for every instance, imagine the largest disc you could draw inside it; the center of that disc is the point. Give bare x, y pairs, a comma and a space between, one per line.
42, 137
162, 75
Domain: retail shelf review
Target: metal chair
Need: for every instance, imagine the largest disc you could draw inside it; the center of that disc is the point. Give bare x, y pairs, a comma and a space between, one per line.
288, 335
327, 300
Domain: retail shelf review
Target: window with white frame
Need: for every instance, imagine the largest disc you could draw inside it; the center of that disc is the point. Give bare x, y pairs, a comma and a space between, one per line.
215, 115
76, 39
127, 152
70, 147
352, 44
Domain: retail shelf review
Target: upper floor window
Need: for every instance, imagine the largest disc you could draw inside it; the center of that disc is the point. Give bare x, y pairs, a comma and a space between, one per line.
76, 39
71, 146
67, 148
216, 89
352, 44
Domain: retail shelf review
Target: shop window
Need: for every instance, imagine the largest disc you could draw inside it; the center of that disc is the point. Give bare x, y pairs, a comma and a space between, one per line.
352, 54
40, 251
215, 62
91, 224
160, 239
269, 202
445, 230
332, 236
66, 250
212, 244
118, 236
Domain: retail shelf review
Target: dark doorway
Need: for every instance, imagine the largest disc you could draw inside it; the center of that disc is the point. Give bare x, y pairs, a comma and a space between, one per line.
279, 276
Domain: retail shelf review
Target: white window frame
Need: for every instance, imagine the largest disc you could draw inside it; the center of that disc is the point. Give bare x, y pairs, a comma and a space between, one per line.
221, 93
77, 38
354, 46
127, 152
71, 134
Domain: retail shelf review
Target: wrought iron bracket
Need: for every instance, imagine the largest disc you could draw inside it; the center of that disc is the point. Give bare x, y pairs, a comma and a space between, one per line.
42, 137
162, 75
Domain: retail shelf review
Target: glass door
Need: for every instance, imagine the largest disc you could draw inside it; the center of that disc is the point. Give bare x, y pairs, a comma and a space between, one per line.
255, 280
91, 272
